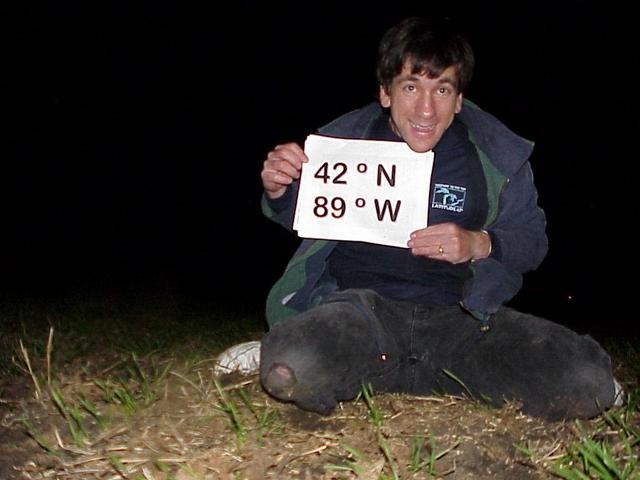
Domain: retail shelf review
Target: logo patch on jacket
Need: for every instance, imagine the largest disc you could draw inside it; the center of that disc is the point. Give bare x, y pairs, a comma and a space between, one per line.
448, 197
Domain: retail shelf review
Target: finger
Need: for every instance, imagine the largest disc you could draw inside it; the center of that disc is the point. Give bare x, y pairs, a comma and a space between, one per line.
448, 228
273, 180
283, 162
432, 251
282, 166
432, 240
290, 152
421, 233
292, 146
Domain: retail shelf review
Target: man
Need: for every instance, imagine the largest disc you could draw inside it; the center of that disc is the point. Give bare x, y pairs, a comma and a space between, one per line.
429, 317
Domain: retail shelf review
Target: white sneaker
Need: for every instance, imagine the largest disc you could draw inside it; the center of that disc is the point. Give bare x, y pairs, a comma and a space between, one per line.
618, 397
243, 358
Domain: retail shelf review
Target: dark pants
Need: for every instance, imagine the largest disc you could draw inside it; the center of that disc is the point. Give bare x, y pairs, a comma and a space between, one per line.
357, 337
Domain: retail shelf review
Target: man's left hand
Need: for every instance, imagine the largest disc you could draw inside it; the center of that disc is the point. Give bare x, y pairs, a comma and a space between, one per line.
450, 242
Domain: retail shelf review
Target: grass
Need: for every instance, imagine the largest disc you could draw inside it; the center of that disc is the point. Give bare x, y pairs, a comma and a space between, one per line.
606, 448
134, 328
376, 416
72, 415
596, 455
92, 410
427, 463
129, 392
33, 432
353, 462
229, 408
266, 419
422, 458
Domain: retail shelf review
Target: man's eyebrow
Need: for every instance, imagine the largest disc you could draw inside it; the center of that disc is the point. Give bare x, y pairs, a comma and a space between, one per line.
413, 77
410, 78
448, 80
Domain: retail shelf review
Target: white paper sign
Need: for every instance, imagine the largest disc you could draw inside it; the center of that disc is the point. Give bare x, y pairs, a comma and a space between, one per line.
365, 190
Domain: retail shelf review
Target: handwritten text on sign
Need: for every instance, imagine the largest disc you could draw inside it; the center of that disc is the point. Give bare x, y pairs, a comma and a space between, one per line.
364, 190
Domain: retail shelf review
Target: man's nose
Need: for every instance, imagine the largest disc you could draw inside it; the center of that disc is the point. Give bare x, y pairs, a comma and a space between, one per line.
426, 107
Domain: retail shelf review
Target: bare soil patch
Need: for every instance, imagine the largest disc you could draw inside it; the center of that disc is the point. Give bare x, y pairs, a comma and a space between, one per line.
192, 428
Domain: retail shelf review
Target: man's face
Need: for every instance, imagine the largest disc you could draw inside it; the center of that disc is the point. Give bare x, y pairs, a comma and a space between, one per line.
422, 108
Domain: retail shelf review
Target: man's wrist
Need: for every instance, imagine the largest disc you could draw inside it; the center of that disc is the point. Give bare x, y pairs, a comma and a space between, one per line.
490, 248
485, 246
274, 195
280, 202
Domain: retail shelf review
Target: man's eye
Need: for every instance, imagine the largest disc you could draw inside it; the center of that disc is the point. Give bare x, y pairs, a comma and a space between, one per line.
443, 91
410, 88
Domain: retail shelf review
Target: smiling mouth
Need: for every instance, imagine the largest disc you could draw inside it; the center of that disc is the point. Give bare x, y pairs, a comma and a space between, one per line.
423, 128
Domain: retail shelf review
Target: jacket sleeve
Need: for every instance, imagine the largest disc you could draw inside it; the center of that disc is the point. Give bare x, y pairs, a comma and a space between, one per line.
281, 209
518, 233
517, 227
519, 244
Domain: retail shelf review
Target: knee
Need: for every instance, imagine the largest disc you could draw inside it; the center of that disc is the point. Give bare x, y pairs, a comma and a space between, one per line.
292, 371
279, 380
320, 356
555, 372
591, 390
292, 356
584, 390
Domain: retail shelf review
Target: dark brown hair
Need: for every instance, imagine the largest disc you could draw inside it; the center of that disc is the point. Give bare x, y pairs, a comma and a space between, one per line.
430, 46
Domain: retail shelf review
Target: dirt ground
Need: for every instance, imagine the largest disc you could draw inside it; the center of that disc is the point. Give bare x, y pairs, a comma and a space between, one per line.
184, 426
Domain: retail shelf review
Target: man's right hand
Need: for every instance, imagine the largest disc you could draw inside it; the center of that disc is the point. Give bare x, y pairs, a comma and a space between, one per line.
282, 166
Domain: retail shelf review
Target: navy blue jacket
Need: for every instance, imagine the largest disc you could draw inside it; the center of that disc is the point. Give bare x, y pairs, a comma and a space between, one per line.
515, 222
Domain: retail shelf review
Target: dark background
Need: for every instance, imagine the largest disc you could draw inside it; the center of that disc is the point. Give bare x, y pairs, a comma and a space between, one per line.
136, 133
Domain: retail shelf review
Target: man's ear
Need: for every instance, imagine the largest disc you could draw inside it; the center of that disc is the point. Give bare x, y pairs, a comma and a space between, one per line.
385, 99
459, 103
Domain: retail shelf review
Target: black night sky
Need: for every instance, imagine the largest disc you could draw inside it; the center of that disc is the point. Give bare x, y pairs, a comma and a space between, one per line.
136, 133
